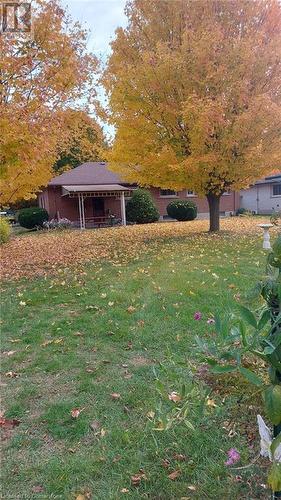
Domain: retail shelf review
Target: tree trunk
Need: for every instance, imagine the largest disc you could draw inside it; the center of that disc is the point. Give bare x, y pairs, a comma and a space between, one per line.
214, 208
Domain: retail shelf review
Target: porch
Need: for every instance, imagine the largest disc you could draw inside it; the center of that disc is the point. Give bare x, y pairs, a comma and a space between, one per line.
97, 205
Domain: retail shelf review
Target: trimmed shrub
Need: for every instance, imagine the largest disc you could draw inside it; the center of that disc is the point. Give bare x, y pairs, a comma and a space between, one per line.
5, 230
32, 217
182, 210
141, 208
241, 211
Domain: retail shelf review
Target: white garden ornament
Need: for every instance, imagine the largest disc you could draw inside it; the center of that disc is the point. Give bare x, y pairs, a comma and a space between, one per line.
266, 235
266, 442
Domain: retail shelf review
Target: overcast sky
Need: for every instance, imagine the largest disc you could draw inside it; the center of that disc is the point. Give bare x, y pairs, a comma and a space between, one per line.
101, 17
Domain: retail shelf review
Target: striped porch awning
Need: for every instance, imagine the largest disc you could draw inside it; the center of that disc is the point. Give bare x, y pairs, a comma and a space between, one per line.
95, 189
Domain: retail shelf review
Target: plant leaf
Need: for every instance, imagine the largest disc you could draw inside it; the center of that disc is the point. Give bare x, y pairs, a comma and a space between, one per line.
265, 317
272, 399
251, 376
223, 369
248, 316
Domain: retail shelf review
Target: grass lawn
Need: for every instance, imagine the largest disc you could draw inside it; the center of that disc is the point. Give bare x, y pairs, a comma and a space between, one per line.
113, 336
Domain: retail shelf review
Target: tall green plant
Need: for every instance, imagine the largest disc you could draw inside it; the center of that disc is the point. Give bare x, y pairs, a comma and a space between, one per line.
141, 208
240, 335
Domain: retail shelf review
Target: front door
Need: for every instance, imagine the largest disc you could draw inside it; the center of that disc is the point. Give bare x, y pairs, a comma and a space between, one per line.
98, 207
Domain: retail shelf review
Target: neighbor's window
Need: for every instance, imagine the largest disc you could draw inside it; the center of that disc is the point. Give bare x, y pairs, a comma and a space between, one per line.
226, 193
276, 189
168, 192
190, 193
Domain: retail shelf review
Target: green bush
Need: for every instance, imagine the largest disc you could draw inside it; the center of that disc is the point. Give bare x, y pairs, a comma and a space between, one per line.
32, 217
182, 210
5, 230
241, 211
141, 208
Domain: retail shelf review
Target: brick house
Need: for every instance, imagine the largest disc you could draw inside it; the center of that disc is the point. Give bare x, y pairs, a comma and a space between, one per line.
89, 194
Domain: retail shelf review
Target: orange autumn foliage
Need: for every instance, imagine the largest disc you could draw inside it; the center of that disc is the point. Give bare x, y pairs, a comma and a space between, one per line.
41, 75
194, 94
84, 141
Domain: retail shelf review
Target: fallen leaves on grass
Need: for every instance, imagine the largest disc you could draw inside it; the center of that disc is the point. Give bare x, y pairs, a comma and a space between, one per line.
75, 413
115, 395
84, 496
179, 457
53, 341
150, 414
95, 425
165, 463
211, 403
12, 374
174, 475
9, 423
131, 309
49, 252
37, 489
174, 396
137, 478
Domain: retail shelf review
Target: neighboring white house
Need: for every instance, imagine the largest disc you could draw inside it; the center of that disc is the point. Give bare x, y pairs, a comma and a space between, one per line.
264, 196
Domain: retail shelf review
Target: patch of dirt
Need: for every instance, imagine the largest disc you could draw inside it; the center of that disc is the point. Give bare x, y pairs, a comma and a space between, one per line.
141, 361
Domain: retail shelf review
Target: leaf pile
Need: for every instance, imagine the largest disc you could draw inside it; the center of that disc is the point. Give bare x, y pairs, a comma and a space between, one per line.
48, 253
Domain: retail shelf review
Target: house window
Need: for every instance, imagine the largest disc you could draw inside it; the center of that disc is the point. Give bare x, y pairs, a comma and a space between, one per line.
226, 193
169, 193
190, 193
276, 189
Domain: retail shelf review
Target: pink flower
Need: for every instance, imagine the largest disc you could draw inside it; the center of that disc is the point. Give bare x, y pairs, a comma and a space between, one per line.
197, 316
233, 457
210, 321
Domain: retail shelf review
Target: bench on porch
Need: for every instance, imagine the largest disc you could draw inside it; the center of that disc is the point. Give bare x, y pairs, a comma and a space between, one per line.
98, 221
102, 221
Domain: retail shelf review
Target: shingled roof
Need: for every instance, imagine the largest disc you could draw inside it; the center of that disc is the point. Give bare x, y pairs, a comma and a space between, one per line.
87, 173
272, 179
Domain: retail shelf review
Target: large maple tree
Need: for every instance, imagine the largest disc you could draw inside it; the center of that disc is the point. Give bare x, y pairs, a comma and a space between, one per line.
41, 75
194, 94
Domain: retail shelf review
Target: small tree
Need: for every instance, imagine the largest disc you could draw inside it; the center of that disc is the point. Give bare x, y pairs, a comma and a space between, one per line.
141, 208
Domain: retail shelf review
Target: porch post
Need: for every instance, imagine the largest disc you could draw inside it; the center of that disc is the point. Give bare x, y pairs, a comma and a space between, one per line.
83, 211
123, 209
80, 211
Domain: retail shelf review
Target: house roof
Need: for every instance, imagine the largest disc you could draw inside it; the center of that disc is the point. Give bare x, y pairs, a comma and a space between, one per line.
272, 179
90, 173
82, 188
